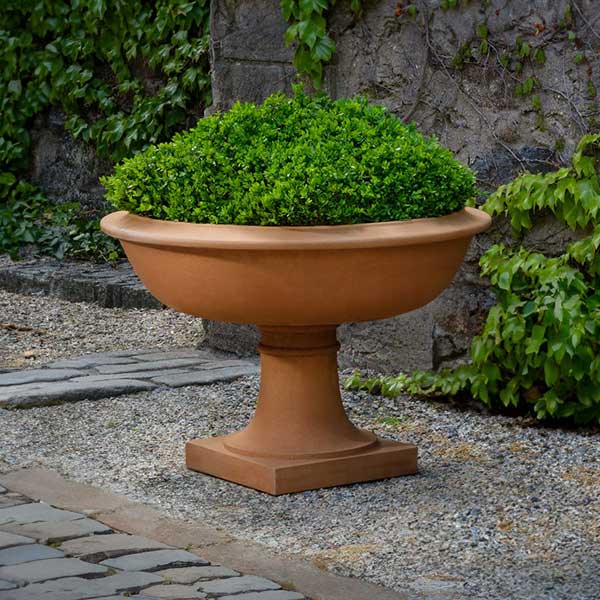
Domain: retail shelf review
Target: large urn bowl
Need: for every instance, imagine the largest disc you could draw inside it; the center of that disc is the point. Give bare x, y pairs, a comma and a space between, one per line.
297, 284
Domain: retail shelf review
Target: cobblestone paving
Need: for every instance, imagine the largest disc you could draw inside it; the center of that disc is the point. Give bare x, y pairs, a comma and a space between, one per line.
52, 554
108, 374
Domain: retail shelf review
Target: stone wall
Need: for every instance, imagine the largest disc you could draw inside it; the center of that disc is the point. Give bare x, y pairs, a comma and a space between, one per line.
406, 65
65, 168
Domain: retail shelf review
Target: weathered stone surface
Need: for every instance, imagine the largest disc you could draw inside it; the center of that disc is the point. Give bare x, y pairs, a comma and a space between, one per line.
7, 585
37, 375
53, 532
231, 337
7, 540
252, 67
189, 575
108, 374
235, 585
406, 340
112, 287
154, 561
7, 500
93, 360
131, 582
57, 392
77, 588
135, 375
65, 168
52, 568
175, 354
36, 512
96, 548
2, 490
268, 595
205, 377
402, 342
174, 592
165, 363
27, 553
120, 597
405, 65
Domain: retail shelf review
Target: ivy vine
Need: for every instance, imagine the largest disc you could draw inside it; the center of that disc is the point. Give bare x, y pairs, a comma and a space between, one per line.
518, 62
308, 31
125, 73
539, 350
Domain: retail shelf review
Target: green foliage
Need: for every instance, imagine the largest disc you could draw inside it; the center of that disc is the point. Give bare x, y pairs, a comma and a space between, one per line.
126, 73
59, 230
308, 31
294, 161
540, 346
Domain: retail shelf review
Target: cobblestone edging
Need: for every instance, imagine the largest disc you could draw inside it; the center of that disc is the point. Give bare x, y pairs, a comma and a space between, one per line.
107, 374
52, 554
77, 281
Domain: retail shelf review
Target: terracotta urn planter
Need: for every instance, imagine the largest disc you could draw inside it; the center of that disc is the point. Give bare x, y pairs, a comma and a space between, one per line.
298, 284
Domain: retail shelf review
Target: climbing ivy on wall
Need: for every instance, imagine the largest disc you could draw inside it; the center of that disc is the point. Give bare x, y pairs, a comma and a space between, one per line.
308, 31
515, 60
125, 73
539, 349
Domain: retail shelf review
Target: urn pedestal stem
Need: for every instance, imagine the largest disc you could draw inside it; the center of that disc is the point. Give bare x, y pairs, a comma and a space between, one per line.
300, 436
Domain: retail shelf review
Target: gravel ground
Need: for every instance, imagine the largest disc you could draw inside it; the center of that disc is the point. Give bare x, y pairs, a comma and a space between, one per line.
501, 509
35, 330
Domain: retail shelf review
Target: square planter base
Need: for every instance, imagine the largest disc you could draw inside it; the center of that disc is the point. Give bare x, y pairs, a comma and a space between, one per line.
283, 476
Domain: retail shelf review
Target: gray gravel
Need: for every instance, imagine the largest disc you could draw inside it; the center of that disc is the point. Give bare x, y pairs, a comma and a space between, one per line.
501, 508
35, 330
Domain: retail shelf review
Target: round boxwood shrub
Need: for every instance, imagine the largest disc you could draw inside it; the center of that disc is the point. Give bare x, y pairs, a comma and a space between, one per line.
294, 161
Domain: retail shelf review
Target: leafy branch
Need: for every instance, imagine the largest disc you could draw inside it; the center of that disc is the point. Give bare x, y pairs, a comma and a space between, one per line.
308, 31
539, 349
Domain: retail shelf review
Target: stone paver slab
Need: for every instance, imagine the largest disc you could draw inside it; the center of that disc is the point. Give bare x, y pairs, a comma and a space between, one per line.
53, 568
133, 375
7, 585
168, 363
93, 360
204, 377
236, 585
49, 533
96, 548
2, 489
36, 512
68, 391
221, 364
77, 588
189, 575
269, 595
120, 597
37, 375
24, 554
7, 540
7, 500
154, 561
174, 592
131, 582
175, 354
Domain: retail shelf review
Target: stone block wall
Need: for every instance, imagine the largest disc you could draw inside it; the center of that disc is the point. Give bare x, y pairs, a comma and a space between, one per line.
406, 65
